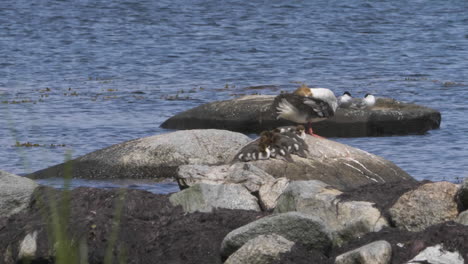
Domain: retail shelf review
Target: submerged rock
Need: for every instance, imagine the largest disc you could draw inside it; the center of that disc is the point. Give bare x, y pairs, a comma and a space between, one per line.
15, 193
255, 113
155, 157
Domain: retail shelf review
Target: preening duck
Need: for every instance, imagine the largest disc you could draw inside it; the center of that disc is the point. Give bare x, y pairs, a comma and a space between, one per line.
306, 105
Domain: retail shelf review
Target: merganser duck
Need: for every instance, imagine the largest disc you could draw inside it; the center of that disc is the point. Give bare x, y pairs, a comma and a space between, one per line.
306, 105
285, 146
258, 149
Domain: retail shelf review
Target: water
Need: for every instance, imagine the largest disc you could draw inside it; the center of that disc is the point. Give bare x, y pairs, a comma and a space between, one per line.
83, 75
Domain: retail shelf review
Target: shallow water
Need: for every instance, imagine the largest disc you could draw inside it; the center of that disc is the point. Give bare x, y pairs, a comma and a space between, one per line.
83, 75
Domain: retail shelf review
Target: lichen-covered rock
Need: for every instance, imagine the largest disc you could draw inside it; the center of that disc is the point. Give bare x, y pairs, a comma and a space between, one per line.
261, 250
155, 157
255, 114
296, 227
346, 220
205, 197
378, 252
15, 193
339, 165
437, 255
429, 204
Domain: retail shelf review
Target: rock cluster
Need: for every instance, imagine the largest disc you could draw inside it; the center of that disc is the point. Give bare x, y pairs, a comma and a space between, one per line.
336, 204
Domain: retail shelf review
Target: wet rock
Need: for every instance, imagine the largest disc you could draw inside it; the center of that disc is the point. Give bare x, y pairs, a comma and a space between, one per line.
378, 252
437, 255
255, 113
204, 197
429, 204
261, 250
345, 220
150, 229
307, 230
462, 218
155, 157
15, 193
339, 165
247, 174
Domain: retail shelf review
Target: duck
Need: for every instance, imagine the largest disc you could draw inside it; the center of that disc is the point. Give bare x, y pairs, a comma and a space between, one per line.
259, 149
285, 146
306, 105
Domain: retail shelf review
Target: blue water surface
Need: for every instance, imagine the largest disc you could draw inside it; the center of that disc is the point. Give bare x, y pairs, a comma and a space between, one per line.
77, 76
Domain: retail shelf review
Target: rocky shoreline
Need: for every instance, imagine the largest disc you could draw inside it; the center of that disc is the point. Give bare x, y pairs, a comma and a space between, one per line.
337, 204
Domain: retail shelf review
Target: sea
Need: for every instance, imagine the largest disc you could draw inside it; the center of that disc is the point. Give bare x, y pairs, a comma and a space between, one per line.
80, 75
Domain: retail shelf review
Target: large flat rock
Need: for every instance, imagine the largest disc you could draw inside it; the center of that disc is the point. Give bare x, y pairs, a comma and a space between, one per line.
154, 157
253, 114
336, 164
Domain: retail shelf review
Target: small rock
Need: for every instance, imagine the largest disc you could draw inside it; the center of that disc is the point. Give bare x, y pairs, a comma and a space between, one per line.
345, 220
28, 247
15, 193
378, 252
205, 197
429, 204
437, 255
261, 250
307, 230
462, 218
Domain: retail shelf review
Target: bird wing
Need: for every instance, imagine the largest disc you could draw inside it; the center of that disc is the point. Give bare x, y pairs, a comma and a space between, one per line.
320, 107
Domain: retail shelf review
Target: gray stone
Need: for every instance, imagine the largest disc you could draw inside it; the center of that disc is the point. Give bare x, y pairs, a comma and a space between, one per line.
255, 113
345, 220
261, 250
155, 157
271, 191
378, 252
205, 197
15, 193
246, 174
339, 165
309, 231
437, 255
28, 246
429, 204
462, 218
